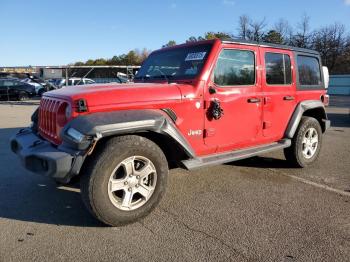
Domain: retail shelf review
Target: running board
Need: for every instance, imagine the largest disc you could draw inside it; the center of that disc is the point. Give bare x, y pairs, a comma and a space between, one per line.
218, 159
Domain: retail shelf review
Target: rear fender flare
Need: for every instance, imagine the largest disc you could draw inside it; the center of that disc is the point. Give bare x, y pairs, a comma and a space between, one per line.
299, 111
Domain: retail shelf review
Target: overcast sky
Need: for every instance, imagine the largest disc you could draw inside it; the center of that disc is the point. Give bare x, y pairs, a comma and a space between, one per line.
60, 32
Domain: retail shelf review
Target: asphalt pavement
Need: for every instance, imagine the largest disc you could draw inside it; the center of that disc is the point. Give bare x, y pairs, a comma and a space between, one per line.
259, 209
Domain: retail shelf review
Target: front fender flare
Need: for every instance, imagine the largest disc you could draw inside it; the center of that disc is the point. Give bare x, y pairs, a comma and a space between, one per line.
104, 124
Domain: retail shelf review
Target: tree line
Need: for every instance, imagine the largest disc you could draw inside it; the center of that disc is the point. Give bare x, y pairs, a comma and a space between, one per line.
332, 41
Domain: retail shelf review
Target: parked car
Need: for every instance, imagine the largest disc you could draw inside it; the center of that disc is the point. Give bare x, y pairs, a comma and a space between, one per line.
40, 87
73, 81
192, 106
11, 89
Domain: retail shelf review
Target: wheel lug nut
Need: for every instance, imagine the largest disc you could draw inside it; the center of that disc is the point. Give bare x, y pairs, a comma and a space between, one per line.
126, 182
130, 175
129, 189
138, 177
137, 185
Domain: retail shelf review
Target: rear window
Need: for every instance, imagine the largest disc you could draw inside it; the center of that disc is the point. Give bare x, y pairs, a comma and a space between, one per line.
278, 69
309, 71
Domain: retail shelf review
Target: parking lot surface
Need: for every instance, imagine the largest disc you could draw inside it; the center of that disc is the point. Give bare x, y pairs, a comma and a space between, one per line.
258, 209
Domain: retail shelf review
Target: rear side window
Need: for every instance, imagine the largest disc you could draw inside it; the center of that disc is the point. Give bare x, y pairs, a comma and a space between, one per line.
235, 67
309, 70
9, 83
278, 69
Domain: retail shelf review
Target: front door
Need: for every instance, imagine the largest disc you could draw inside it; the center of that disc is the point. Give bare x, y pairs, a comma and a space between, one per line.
234, 90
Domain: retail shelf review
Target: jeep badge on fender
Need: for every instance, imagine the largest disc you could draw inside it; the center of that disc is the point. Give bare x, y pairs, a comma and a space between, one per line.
118, 138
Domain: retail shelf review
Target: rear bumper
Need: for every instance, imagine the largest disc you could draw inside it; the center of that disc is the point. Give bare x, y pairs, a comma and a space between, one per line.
41, 157
326, 124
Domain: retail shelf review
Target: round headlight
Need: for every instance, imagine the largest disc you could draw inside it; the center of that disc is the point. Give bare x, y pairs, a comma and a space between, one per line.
68, 112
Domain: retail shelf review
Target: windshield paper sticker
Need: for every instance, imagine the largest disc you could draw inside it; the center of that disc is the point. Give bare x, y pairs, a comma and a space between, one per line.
195, 56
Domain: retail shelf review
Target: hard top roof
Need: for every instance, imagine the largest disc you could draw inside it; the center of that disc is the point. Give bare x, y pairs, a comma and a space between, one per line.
263, 44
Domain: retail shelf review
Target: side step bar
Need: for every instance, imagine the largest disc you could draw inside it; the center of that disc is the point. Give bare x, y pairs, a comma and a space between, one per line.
218, 159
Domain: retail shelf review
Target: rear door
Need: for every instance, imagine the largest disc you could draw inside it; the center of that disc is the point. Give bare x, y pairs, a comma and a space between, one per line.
235, 84
278, 85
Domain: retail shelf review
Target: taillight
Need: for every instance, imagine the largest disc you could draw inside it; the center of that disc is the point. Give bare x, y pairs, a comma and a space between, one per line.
325, 99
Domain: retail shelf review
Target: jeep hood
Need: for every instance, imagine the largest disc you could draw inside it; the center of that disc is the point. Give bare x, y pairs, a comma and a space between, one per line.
108, 94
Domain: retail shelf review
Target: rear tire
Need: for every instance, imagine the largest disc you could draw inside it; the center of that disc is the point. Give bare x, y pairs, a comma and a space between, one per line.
23, 96
306, 143
125, 180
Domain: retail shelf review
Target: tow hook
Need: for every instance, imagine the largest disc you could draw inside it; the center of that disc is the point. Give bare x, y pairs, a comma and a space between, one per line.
36, 143
94, 142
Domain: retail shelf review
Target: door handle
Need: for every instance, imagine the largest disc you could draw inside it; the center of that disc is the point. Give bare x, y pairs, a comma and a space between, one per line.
288, 98
253, 100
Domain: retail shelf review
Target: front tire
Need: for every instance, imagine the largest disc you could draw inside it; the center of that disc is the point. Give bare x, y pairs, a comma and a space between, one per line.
41, 92
125, 180
306, 143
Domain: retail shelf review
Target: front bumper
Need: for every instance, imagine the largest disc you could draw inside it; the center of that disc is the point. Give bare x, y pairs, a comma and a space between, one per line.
40, 156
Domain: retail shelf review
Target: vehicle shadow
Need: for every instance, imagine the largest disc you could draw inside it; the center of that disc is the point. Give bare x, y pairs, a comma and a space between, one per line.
339, 120
262, 162
29, 197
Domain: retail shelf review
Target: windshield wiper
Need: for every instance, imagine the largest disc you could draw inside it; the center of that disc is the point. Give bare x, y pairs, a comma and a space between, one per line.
167, 77
160, 71
143, 77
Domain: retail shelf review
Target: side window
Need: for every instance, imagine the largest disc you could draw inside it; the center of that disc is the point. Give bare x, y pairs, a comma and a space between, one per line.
235, 67
8, 83
278, 69
309, 70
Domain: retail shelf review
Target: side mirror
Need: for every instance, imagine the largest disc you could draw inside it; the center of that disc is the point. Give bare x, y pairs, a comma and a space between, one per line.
212, 90
325, 76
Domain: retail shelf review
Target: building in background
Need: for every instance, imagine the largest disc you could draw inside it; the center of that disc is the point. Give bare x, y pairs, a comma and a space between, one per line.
48, 73
339, 85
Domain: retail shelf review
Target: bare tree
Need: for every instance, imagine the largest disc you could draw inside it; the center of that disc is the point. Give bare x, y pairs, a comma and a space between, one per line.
331, 42
243, 27
284, 29
302, 37
257, 30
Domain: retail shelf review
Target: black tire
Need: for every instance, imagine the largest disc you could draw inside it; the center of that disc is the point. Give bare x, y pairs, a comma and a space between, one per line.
95, 178
294, 153
41, 92
23, 96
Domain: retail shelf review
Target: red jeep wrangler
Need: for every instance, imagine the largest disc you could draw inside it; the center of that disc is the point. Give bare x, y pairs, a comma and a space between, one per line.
191, 105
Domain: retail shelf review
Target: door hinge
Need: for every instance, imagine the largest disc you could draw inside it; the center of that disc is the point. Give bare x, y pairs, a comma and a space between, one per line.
209, 132
267, 100
266, 125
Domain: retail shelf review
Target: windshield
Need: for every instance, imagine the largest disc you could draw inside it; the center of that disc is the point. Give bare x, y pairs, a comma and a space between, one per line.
178, 63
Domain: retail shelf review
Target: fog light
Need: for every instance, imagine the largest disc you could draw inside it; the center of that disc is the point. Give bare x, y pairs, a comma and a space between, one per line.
75, 134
